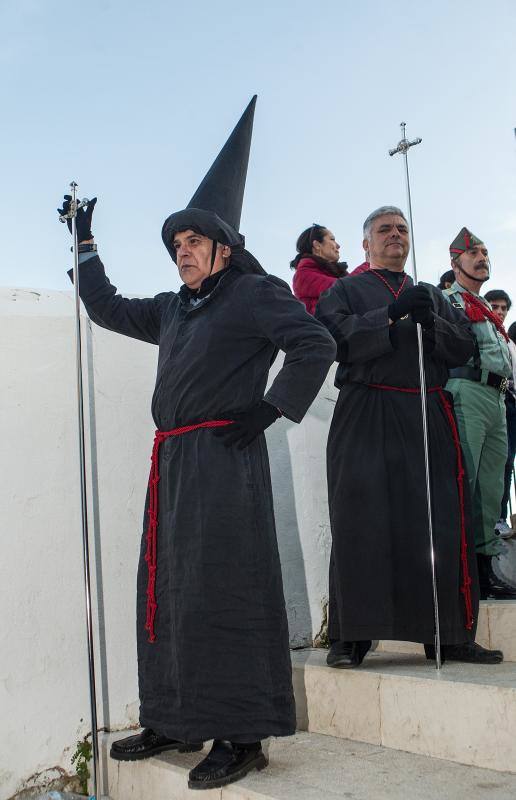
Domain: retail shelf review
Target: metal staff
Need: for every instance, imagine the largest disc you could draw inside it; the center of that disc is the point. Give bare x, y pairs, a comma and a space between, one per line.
72, 215
403, 147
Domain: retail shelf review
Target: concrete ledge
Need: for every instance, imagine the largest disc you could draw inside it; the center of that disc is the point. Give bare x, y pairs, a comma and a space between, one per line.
466, 714
313, 767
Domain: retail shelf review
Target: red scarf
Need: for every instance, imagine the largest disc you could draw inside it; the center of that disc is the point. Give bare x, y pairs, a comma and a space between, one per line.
476, 311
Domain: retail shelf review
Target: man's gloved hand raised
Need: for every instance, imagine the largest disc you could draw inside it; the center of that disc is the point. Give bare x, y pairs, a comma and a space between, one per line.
83, 218
415, 301
247, 425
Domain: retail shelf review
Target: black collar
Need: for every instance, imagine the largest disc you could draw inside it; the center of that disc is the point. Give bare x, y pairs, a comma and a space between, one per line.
206, 287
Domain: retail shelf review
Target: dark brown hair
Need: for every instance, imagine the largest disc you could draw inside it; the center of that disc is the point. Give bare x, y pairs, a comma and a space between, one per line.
305, 241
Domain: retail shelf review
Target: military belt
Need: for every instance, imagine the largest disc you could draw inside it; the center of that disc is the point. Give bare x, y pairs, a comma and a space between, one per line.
481, 376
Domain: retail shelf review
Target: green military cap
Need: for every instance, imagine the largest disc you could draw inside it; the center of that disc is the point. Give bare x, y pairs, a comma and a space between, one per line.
464, 240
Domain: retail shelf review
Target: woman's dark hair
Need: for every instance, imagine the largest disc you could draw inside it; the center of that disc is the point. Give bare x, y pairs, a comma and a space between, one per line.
511, 333
446, 277
305, 241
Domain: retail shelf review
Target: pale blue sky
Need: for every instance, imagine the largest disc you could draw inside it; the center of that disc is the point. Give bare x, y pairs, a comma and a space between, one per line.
134, 100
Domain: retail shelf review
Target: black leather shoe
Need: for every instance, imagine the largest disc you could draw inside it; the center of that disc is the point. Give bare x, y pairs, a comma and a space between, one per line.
490, 584
347, 654
147, 744
472, 653
468, 653
226, 763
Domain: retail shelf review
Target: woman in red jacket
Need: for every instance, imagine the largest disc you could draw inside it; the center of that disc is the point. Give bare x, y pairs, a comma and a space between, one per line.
317, 265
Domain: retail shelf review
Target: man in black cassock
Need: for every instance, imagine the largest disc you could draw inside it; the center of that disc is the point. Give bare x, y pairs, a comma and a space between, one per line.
380, 569
213, 647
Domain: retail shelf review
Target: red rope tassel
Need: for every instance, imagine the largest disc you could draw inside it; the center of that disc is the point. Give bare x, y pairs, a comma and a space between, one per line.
466, 578
152, 528
476, 311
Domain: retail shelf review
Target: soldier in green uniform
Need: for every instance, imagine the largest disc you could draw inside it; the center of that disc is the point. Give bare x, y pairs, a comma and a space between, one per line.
478, 391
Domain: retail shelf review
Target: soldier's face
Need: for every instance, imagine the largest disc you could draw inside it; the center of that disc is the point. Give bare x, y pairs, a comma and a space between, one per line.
474, 262
193, 255
389, 242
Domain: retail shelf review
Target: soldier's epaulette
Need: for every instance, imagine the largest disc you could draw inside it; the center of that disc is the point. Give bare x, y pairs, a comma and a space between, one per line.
453, 297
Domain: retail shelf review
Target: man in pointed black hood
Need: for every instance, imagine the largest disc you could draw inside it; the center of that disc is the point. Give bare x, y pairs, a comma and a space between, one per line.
212, 630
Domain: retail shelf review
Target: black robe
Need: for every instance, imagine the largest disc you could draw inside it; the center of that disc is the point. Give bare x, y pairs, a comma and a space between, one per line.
220, 667
380, 573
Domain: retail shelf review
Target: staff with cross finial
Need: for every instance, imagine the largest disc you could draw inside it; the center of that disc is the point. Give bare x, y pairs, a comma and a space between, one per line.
68, 214
403, 147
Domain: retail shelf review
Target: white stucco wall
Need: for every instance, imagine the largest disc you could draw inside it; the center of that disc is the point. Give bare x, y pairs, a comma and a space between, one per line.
43, 657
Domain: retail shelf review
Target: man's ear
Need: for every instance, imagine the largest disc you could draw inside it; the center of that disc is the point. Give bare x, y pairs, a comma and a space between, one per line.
365, 245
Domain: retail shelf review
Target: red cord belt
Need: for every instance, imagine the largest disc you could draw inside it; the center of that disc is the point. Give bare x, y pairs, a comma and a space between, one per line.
466, 578
152, 528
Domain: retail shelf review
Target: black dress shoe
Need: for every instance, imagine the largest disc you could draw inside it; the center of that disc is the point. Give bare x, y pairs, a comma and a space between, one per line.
225, 763
490, 584
347, 654
472, 653
147, 744
468, 653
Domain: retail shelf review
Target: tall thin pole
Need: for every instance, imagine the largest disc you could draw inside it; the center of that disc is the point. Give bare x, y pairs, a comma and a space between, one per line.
84, 504
403, 147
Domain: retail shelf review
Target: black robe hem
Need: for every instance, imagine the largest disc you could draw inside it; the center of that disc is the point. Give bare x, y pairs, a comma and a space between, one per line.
205, 733
387, 633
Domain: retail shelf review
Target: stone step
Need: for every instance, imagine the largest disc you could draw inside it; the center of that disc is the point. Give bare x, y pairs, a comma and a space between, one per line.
465, 713
496, 630
309, 766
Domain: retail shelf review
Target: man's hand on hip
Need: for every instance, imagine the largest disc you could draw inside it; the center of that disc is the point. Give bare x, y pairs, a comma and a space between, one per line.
247, 425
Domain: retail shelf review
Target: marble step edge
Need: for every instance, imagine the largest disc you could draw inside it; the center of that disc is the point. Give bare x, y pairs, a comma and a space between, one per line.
312, 767
465, 714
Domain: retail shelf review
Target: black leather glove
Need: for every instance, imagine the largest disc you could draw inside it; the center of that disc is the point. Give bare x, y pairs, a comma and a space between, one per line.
423, 315
247, 425
83, 218
417, 297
